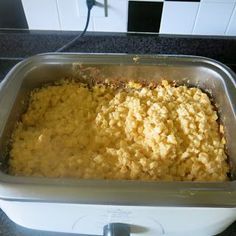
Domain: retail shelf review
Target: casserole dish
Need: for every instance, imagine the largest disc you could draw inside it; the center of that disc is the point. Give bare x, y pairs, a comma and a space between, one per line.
151, 208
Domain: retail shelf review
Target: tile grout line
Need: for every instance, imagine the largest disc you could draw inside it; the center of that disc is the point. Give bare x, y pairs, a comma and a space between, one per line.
230, 19
196, 18
161, 5
127, 15
58, 15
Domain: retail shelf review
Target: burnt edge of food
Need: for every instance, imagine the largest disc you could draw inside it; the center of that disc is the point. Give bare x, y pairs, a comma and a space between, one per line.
5, 157
4, 162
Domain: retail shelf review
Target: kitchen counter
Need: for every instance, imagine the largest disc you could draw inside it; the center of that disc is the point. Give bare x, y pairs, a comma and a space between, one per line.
22, 44
17, 45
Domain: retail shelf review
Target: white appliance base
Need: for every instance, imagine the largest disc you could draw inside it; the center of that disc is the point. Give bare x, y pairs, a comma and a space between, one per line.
90, 219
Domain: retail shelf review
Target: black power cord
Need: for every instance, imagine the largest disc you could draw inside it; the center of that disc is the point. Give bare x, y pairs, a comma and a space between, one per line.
90, 4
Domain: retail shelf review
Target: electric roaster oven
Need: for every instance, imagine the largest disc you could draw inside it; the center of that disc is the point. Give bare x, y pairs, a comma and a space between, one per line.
138, 196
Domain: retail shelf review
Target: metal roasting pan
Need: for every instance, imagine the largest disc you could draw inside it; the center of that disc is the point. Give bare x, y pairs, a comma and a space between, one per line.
211, 76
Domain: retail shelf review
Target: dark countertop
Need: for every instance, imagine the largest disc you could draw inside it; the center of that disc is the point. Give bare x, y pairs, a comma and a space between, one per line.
22, 44
17, 45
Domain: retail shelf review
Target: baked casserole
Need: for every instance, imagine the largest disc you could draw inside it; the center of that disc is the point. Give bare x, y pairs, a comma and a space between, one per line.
137, 132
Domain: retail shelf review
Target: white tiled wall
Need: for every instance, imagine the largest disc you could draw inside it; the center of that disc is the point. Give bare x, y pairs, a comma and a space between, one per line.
71, 15
219, 1
213, 18
117, 17
41, 14
231, 29
178, 17
207, 17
